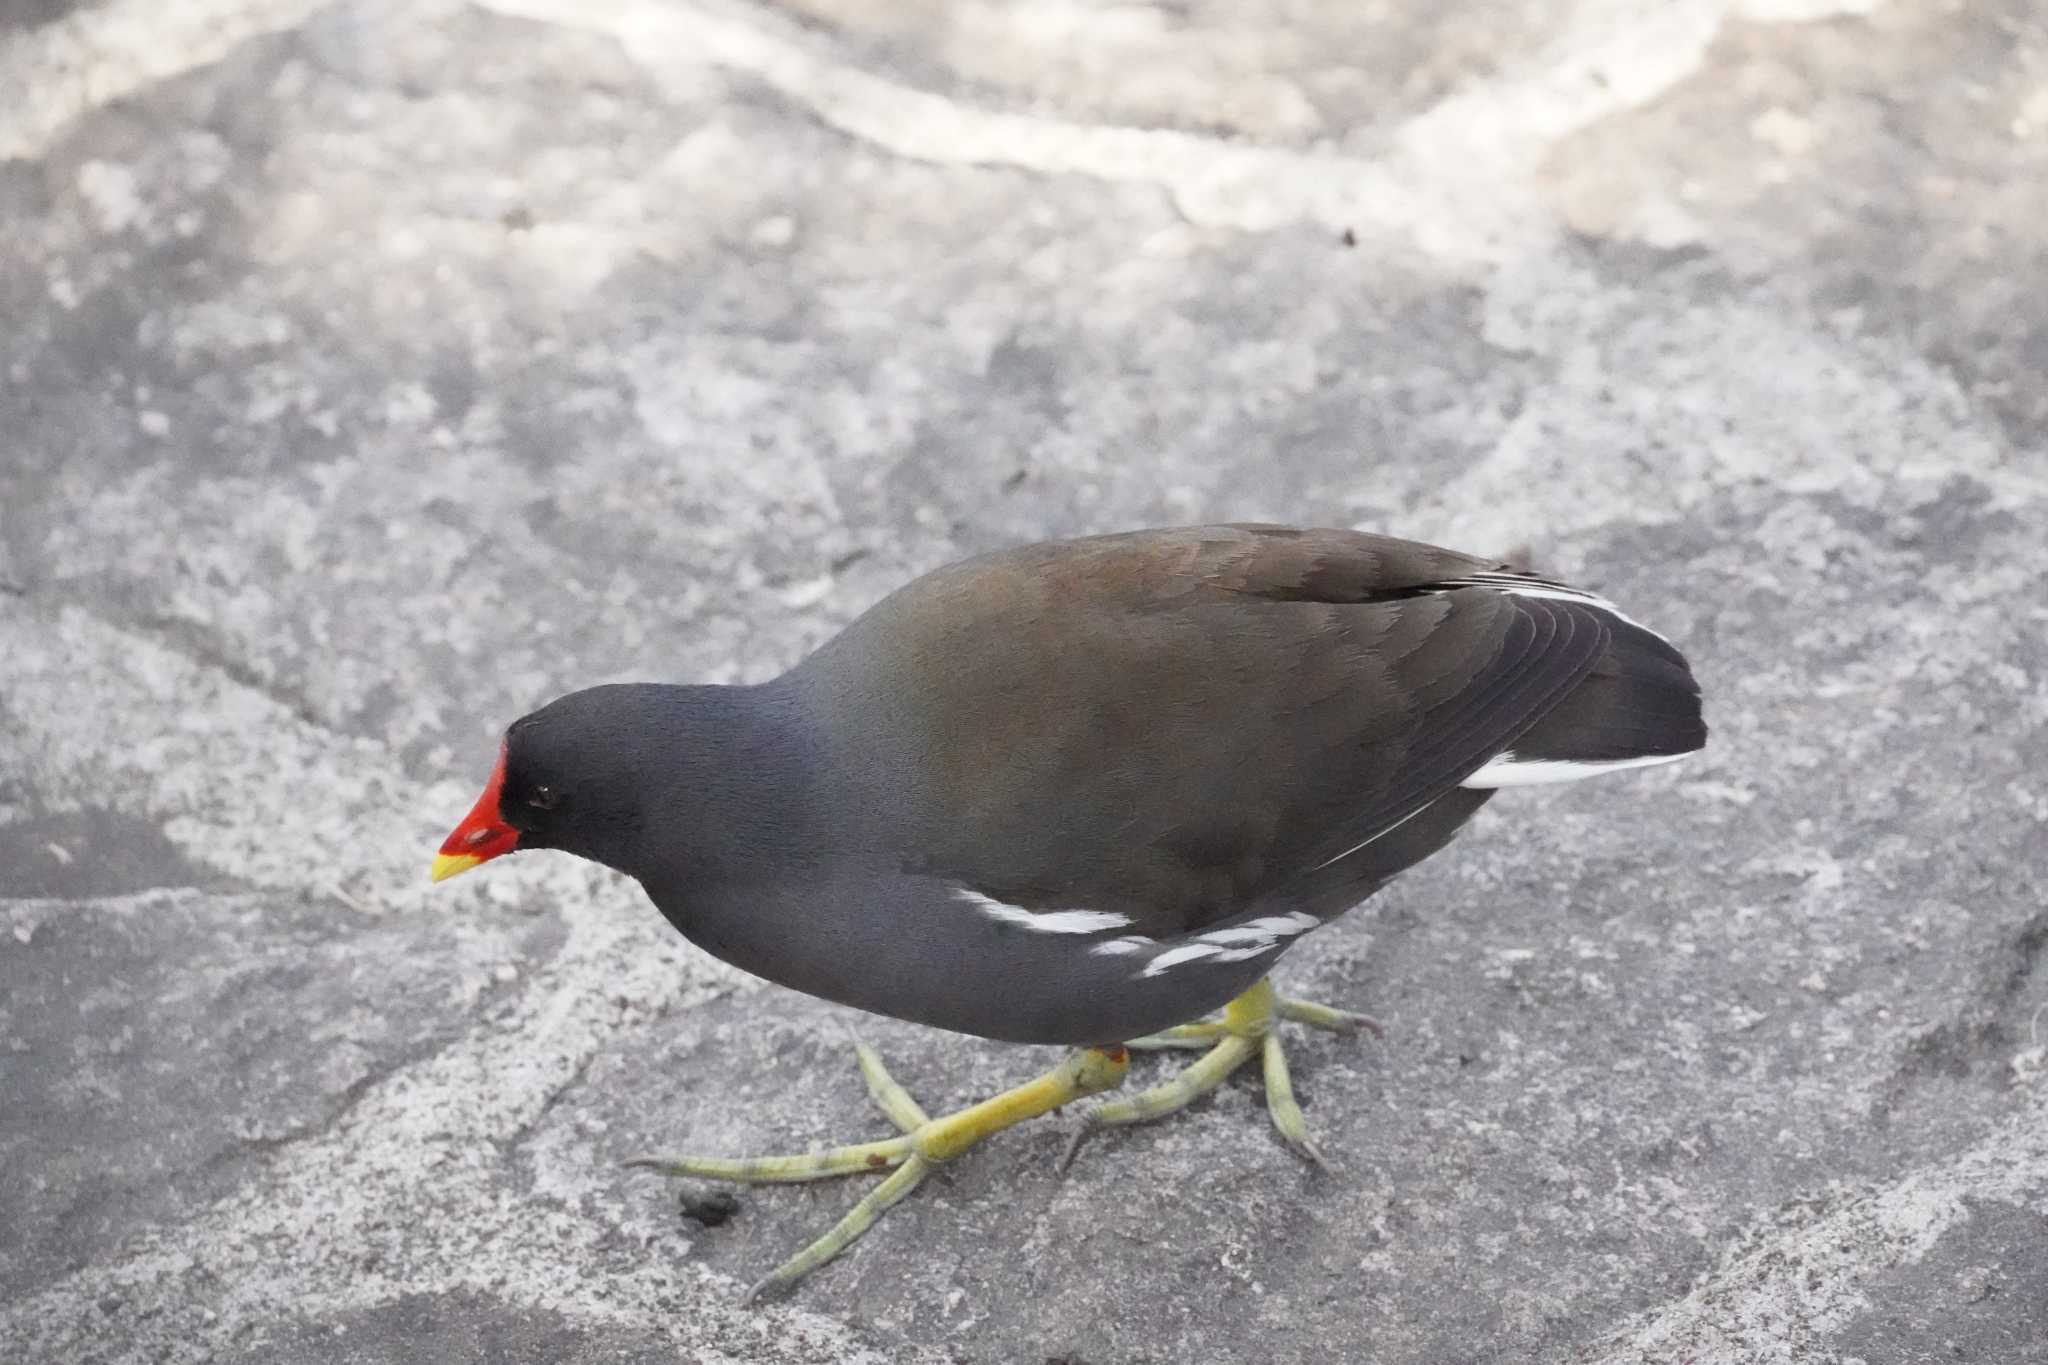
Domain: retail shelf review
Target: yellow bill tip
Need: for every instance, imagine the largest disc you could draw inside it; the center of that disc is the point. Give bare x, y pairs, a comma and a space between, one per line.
448, 865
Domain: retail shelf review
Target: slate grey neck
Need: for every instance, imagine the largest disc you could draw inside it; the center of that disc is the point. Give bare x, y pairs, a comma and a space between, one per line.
724, 782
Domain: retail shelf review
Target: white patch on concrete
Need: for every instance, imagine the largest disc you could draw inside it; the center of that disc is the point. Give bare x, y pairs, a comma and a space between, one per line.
109, 190
1784, 132
775, 232
1509, 771
1460, 180
102, 53
1043, 921
2033, 115
1486, 143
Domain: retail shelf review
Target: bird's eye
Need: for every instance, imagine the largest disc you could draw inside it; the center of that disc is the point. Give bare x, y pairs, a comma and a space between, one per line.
543, 798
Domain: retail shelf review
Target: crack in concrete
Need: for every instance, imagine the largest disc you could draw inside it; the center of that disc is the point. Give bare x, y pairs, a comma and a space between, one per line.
203, 647
1977, 1033
1786, 1287
554, 1096
338, 1112
2028, 947
426, 1125
215, 760
195, 642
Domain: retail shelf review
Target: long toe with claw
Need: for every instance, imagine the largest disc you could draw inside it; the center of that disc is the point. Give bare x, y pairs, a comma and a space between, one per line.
925, 1143
1250, 1027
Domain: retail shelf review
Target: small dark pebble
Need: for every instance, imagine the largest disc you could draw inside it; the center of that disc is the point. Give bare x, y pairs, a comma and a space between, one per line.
1350, 237
710, 1209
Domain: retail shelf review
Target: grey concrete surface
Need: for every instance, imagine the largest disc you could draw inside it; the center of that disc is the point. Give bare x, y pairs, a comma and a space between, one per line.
372, 371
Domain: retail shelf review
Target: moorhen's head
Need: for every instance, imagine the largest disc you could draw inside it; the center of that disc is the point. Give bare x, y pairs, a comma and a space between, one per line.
570, 776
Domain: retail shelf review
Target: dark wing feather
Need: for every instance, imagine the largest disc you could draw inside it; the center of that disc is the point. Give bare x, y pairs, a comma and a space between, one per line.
1297, 692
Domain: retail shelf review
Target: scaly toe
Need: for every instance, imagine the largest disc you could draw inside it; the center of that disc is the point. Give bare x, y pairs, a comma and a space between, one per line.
1329, 1020
1249, 1026
1285, 1111
860, 1158
844, 1233
1201, 1033
890, 1097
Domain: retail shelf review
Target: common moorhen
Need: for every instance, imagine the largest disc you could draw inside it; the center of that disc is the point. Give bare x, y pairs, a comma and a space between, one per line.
1084, 792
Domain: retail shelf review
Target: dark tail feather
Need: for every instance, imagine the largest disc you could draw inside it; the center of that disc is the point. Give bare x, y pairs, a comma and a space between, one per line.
1640, 701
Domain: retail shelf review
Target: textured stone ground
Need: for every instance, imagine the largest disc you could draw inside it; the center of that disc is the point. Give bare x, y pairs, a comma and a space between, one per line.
374, 370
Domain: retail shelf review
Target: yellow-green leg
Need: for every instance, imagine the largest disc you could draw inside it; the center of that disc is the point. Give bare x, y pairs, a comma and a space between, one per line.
1249, 1028
926, 1142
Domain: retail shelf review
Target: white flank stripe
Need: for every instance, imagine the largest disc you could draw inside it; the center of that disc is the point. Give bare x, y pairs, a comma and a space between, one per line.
1173, 957
1509, 771
1264, 930
1123, 947
1232, 944
1043, 921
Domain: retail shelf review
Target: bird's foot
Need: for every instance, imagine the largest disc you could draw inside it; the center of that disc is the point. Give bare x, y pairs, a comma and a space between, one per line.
1250, 1027
926, 1142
